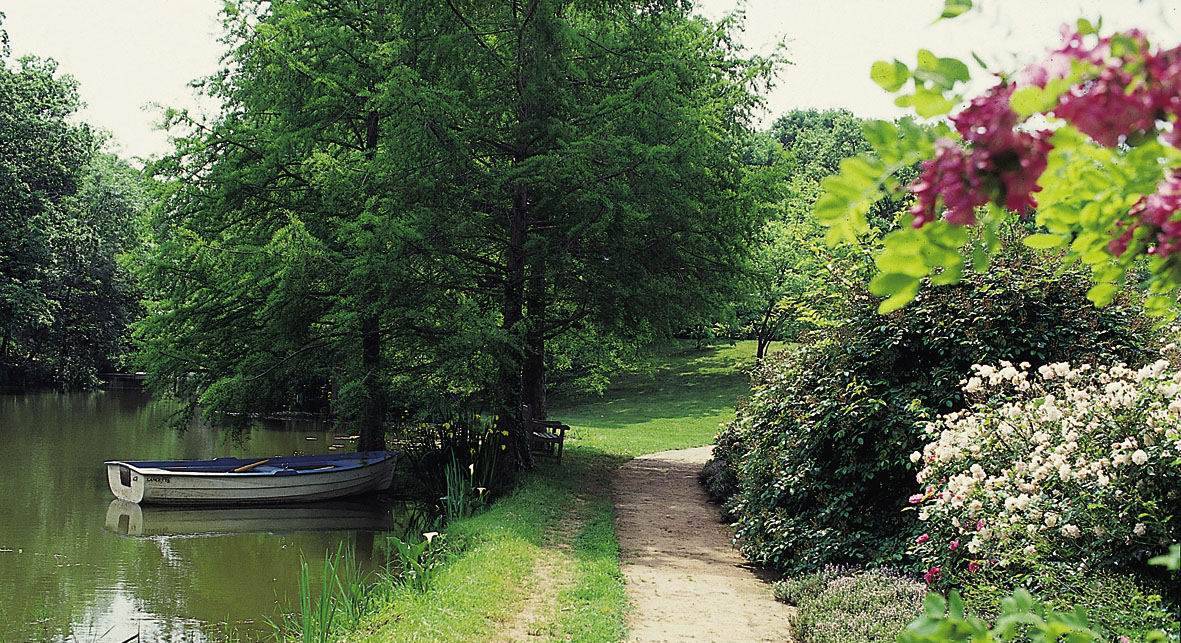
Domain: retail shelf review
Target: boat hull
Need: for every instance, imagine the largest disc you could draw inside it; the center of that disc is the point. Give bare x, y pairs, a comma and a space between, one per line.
158, 485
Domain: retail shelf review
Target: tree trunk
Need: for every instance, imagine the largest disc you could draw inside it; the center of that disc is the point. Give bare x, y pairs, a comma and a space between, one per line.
764, 332
522, 376
373, 408
533, 369
517, 448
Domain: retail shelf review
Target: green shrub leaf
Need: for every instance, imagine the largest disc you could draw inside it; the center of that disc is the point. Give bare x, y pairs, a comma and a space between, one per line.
1044, 241
890, 76
955, 8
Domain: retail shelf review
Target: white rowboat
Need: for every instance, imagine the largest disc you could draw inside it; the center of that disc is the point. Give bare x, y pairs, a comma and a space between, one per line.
233, 481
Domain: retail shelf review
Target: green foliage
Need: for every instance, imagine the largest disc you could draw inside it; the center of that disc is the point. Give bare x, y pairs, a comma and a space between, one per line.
67, 214
1115, 602
457, 462
438, 201
945, 620
1171, 560
837, 605
463, 496
865, 181
820, 450
955, 8
419, 559
340, 601
933, 79
792, 279
1087, 191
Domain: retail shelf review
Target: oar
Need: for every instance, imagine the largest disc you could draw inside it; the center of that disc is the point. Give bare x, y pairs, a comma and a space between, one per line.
248, 467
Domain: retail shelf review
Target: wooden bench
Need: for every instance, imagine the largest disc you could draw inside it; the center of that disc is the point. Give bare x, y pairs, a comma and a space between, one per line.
545, 436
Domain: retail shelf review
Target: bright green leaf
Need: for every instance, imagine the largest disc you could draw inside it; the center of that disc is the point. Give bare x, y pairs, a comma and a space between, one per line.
886, 284
1043, 241
927, 60
955, 8
1102, 294
899, 299
890, 76
930, 104
1027, 101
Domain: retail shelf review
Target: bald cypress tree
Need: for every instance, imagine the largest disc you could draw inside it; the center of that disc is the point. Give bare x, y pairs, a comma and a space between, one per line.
407, 201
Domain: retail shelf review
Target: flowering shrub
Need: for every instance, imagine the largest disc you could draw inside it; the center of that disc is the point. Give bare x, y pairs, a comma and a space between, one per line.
1058, 463
1089, 138
819, 450
848, 605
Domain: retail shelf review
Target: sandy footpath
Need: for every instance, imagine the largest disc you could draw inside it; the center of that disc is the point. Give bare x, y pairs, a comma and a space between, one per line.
685, 580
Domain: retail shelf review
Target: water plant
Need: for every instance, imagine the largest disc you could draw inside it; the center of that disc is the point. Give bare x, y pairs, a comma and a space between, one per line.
418, 561
463, 497
342, 599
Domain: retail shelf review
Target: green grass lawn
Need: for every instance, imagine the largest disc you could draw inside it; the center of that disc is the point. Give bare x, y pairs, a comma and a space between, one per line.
678, 399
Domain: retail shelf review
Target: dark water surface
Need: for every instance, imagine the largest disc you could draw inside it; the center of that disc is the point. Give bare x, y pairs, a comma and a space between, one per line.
76, 565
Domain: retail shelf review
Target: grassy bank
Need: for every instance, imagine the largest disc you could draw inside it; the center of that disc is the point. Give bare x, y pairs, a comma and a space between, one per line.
544, 561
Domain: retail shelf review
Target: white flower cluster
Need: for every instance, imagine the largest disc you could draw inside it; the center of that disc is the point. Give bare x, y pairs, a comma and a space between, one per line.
1061, 461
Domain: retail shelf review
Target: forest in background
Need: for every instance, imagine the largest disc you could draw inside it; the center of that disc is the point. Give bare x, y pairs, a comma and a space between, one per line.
68, 211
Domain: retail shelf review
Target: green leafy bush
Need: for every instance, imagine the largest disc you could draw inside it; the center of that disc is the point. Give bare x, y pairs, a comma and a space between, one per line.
1117, 603
837, 605
1020, 618
946, 621
820, 451
719, 478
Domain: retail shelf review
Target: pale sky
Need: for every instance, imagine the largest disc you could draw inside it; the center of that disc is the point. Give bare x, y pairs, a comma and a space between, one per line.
129, 54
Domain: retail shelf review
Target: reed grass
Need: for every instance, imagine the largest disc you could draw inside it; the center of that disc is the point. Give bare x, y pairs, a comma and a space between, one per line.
342, 599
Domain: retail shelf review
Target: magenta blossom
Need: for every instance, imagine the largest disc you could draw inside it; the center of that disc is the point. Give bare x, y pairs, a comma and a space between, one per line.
1109, 107
931, 574
916, 498
954, 545
973, 566
1157, 212
1002, 164
922, 539
979, 524
949, 177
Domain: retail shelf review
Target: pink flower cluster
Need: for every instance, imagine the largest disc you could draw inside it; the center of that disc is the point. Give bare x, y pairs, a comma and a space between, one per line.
1129, 90
1001, 164
1116, 103
1105, 110
1156, 212
932, 574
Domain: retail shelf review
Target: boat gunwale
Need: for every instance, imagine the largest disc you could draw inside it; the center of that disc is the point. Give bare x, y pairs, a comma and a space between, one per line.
356, 465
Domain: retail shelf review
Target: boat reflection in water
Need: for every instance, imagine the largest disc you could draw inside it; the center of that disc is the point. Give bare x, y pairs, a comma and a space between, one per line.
131, 519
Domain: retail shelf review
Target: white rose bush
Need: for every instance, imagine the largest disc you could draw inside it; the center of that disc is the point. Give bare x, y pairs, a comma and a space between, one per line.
1062, 463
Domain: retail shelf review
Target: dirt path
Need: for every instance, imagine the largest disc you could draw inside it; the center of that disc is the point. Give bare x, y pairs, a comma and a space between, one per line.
685, 580
554, 572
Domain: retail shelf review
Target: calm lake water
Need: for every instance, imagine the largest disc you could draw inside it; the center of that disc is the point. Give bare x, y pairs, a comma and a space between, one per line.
76, 565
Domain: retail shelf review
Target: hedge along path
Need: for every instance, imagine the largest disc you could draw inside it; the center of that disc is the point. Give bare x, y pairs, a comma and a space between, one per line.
685, 580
